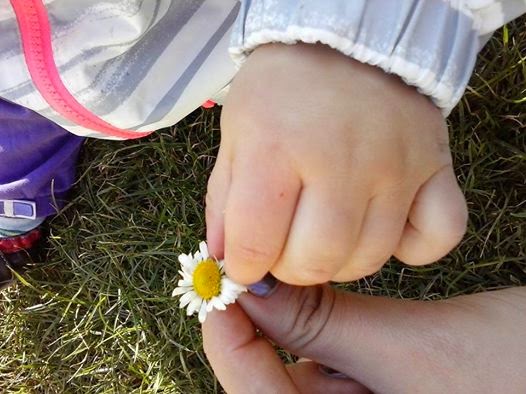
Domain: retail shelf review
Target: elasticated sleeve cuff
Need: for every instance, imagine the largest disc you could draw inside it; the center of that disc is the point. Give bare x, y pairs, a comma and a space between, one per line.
430, 44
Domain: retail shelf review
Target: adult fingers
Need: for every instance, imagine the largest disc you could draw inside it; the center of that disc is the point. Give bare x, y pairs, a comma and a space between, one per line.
324, 230
243, 361
399, 346
260, 207
380, 235
436, 222
308, 321
373, 339
216, 198
309, 379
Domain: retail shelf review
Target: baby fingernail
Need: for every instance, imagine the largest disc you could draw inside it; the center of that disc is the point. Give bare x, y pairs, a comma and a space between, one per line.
265, 287
332, 373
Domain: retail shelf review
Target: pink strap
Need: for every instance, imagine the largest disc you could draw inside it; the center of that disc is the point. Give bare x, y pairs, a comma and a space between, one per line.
35, 31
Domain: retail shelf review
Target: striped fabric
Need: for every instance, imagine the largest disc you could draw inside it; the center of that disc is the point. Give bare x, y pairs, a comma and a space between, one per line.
137, 64
140, 65
431, 44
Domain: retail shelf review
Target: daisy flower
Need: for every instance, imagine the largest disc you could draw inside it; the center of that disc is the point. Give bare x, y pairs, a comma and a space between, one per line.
205, 285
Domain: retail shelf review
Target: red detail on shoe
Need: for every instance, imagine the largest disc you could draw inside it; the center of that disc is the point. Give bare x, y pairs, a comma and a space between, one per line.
20, 242
35, 32
25, 242
7, 245
34, 235
208, 104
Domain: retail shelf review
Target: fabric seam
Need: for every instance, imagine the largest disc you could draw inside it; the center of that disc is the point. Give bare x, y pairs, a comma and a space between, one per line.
35, 33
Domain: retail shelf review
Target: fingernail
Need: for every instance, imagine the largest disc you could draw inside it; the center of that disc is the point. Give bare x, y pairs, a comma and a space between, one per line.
265, 287
332, 373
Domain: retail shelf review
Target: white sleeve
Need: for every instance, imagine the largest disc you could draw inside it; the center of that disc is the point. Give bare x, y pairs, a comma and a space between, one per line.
489, 15
430, 44
115, 68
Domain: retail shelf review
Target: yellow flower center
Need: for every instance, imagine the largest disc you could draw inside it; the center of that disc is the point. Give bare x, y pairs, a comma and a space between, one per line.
207, 279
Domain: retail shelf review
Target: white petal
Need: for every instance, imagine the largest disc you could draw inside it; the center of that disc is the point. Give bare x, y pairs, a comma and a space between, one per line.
184, 259
202, 312
186, 298
198, 257
240, 289
230, 286
188, 270
184, 289
226, 286
185, 283
204, 250
227, 299
178, 291
229, 292
194, 306
218, 304
215, 303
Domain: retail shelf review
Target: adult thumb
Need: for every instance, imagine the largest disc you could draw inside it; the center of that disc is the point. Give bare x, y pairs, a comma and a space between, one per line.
375, 340
313, 322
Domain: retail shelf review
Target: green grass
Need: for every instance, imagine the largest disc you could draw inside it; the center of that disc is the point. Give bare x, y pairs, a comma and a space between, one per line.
99, 317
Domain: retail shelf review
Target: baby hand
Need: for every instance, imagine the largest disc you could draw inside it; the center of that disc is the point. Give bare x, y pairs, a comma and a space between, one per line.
327, 167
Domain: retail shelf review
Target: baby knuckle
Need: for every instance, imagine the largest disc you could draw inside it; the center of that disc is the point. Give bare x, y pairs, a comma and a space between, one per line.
382, 258
317, 270
396, 180
459, 223
370, 269
419, 258
373, 257
359, 271
312, 276
452, 230
458, 231
253, 253
250, 114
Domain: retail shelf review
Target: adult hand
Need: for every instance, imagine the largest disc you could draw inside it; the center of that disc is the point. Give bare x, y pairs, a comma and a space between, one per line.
470, 344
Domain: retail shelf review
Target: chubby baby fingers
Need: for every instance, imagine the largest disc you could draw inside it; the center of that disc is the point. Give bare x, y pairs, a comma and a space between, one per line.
216, 198
437, 220
323, 233
379, 236
260, 206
